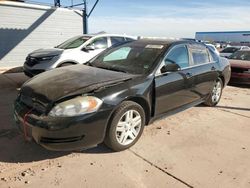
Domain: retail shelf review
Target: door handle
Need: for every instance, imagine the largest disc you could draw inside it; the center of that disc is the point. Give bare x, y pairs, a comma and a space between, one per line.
213, 68
188, 75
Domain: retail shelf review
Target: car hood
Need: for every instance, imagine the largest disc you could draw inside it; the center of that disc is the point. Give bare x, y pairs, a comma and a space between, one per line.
56, 84
240, 63
46, 52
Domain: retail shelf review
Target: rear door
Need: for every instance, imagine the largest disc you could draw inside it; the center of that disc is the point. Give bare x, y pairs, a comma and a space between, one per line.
203, 69
173, 89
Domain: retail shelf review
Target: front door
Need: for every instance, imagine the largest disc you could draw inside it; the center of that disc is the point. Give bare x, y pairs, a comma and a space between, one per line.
173, 89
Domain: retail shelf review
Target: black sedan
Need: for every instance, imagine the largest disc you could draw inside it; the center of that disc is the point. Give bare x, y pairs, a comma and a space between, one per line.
119, 92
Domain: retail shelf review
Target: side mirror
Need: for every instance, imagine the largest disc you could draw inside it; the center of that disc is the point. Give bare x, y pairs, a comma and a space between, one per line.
88, 48
170, 67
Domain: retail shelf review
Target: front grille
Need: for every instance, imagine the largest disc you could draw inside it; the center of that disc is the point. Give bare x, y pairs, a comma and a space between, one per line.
31, 61
60, 140
26, 100
33, 104
238, 70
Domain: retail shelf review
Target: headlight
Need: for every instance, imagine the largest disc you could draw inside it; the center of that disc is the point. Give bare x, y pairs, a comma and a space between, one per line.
47, 58
77, 106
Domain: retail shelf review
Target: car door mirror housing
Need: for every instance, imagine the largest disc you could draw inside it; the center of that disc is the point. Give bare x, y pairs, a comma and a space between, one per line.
88, 48
171, 67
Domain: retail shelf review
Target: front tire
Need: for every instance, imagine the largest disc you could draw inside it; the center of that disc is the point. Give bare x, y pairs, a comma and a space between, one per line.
126, 126
215, 95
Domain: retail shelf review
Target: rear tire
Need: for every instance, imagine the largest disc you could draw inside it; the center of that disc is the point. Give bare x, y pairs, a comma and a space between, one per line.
126, 126
214, 97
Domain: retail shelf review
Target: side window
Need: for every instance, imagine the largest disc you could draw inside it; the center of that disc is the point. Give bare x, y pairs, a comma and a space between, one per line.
115, 40
200, 56
179, 55
129, 39
100, 43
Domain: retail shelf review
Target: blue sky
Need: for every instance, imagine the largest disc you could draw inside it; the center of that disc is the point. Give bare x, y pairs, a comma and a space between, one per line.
169, 18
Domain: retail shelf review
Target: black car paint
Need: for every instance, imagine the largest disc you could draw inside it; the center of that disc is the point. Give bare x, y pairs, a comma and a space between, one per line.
67, 80
180, 89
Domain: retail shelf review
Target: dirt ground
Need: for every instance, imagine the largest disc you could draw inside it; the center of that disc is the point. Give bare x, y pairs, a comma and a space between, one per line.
199, 147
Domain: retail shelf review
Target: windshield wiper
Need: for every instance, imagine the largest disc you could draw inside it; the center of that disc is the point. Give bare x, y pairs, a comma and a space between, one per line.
115, 69
110, 68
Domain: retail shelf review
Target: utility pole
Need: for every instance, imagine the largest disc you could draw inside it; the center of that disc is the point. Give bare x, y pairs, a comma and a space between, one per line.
57, 3
86, 15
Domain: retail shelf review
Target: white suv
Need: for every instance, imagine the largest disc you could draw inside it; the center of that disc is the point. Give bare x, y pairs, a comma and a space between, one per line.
77, 50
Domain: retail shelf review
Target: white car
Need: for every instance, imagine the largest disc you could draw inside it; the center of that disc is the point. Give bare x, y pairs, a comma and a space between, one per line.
230, 50
77, 50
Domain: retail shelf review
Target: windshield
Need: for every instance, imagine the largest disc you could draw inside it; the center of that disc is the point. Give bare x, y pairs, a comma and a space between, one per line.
230, 50
241, 55
131, 58
73, 42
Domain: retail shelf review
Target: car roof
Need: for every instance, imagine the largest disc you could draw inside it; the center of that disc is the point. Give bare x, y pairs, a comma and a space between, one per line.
164, 42
108, 35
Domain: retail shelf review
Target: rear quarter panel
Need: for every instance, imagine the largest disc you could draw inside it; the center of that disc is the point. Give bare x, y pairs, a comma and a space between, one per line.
225, 69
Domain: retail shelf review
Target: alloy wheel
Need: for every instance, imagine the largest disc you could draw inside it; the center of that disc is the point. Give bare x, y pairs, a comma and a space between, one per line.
216, 92
128, 127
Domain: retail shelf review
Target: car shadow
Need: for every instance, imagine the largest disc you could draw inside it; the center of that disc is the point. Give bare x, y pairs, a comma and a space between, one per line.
100, 149
14, 149
239, 85
233, 108
225, 107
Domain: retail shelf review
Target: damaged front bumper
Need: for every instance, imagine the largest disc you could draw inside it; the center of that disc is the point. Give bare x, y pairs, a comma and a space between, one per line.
63, 133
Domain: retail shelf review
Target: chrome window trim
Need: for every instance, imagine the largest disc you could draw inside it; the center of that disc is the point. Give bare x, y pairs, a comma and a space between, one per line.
191, 64
184, 68
158, 71
198, 65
